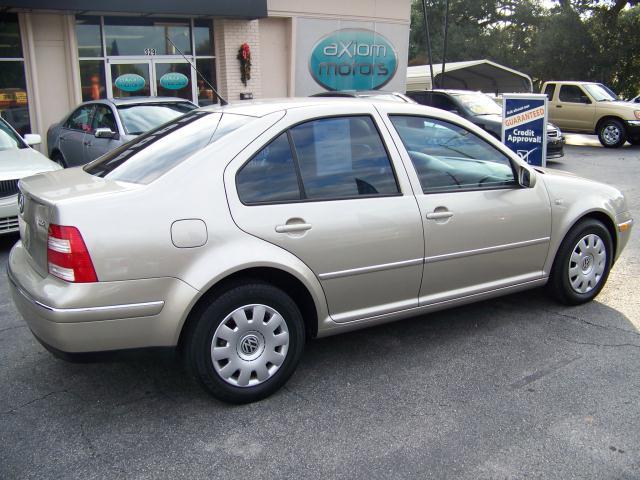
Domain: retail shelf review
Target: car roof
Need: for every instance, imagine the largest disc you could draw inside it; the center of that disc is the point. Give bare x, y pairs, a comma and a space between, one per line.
138, 100
260, 108
354, 93
447, 90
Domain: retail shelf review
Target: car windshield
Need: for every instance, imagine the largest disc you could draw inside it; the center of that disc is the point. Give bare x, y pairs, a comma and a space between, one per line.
600, 93
141, 118
479, 103
151, 155
8, 138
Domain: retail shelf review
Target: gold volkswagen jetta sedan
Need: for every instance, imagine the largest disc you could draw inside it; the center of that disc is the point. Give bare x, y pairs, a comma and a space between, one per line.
236, 232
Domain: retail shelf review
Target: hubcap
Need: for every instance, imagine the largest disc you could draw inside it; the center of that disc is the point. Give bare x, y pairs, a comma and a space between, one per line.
587, 263
611, 134
250, 345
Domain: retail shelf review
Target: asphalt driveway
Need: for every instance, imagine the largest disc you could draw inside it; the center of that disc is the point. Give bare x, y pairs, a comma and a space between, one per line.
518, 387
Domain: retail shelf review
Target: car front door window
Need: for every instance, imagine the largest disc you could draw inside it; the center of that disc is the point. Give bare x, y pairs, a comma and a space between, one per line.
449, 158
80, 119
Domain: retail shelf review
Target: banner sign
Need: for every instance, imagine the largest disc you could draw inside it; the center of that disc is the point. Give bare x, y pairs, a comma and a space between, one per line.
353, 59
524, 126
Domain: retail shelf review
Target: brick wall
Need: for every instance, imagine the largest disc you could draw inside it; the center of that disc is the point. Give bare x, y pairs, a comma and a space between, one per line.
228, 36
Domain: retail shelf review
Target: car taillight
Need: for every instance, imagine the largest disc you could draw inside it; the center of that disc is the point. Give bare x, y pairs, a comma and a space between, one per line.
67, 255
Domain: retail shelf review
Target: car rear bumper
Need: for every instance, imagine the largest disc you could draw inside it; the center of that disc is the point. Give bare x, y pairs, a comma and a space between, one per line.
100, 316
9, 214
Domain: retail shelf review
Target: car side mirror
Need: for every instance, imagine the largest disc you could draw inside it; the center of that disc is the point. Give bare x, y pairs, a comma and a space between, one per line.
526, 177
32, 139
105, 133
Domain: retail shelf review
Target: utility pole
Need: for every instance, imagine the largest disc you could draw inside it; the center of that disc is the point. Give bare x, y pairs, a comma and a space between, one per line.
426, 30
444, 47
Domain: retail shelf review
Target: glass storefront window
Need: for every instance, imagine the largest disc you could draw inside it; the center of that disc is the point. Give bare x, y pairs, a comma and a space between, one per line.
144, 36
89, 37
92, 80
207, 67
203, 36
130, 80
14, 103
153, 65
10, 46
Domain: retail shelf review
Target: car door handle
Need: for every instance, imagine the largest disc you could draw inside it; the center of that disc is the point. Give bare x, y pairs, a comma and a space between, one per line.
439, 215
293, 227
558, 106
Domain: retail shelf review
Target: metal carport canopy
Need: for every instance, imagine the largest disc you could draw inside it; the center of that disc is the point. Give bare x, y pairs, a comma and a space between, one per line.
483, 75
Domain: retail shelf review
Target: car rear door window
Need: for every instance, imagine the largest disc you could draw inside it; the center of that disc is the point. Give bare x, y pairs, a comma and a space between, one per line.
444, 103
270, 176
550, 90
80, 119
342, 157
448, 157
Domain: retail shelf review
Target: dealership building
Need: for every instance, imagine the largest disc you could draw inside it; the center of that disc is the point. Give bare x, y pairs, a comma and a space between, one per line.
55, 54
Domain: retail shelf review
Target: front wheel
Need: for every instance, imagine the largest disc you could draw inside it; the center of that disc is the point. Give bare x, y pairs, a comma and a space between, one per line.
582, 263
245, 343
612, 133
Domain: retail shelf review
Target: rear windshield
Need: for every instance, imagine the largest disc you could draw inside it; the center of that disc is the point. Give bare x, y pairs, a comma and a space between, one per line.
151, 155
137, 119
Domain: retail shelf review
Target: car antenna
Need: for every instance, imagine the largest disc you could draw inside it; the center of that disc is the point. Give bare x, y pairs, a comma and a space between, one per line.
223, 102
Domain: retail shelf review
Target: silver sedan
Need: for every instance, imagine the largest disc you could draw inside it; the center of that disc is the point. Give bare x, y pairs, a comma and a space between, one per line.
235, 232
97, 127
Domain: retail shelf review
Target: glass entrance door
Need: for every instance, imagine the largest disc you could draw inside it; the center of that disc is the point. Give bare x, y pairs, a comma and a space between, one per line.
151, 77
173, 79
131, 79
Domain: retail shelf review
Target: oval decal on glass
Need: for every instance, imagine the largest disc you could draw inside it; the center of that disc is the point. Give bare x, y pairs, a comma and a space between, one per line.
353, 59
130, 82
173, 81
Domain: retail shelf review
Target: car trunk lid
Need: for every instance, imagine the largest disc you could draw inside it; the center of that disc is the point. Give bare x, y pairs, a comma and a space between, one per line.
42, 201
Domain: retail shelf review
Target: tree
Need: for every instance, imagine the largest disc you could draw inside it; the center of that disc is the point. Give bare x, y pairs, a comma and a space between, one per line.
593, 40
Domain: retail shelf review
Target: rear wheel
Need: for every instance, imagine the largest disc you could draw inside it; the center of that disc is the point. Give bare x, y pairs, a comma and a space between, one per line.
245, 343
612, 133
582, 263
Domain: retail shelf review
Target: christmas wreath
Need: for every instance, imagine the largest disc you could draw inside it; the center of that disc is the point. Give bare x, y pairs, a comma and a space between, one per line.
244, 55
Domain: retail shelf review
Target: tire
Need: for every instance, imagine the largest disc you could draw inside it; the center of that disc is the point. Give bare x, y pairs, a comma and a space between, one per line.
612, 133
57, 158
582, 264
236, 351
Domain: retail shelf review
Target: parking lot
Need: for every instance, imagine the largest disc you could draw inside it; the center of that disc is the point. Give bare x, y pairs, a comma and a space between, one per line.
518, 387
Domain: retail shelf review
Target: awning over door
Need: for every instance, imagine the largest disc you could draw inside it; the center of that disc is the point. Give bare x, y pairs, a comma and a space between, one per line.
248, 9
483, 75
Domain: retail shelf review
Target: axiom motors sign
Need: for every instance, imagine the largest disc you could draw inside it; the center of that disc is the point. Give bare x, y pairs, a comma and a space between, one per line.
353, 59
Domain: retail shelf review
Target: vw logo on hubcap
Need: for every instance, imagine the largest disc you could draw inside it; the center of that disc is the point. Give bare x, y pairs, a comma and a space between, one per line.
586, 263
249, 344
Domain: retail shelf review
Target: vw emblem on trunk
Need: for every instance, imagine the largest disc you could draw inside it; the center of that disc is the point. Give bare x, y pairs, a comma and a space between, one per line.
21, 202
249, 345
